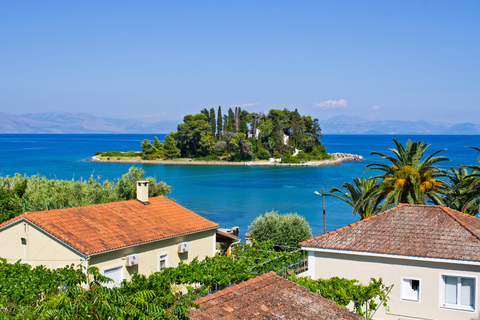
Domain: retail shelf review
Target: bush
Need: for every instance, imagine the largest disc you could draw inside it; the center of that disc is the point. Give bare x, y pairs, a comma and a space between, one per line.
291, 160
263, 154
303, 156
277, 155
284, 230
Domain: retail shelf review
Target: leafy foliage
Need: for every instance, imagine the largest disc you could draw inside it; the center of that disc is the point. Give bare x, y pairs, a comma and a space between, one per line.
365, 298
283, 230
409, 178
363, 195
22, 193
412, 177
22, 287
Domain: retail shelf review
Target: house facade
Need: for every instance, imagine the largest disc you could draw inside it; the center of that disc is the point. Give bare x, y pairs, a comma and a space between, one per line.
430, 254
120, 238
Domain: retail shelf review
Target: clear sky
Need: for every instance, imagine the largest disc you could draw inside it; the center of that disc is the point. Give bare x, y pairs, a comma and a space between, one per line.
160, 60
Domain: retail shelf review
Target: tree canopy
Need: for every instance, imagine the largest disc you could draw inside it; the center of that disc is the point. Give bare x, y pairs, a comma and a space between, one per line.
282, 229
19, 193
411, 176
240, 135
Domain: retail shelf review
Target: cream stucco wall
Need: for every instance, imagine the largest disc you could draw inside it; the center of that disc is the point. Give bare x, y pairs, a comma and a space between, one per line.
43, 249
40, 247
327, 265
201, 244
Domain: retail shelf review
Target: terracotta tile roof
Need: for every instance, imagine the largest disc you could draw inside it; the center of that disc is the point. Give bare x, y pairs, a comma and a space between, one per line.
102, 227
227, 235
268, 297
409, 230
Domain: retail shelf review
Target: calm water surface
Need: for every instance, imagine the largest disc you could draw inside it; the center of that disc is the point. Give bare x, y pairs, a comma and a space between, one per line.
228, 195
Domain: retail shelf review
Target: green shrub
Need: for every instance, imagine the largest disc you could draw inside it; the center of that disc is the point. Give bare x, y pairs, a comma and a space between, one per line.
284, 230
291, 160
303, 156
263, 154
365, 298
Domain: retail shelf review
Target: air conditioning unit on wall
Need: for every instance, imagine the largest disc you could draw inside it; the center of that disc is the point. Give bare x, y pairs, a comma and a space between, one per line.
131, 260
182, 247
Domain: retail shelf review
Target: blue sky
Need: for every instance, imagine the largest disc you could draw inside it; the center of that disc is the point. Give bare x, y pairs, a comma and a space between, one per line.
160, 60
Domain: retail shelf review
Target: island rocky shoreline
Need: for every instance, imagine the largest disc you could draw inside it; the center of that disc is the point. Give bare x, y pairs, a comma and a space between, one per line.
339, 159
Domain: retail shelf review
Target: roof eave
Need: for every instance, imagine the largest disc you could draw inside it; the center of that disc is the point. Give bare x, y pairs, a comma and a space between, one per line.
24, 219
392, 256
142, 243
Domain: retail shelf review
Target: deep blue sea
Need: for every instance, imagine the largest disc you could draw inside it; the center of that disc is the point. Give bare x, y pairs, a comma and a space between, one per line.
228, 195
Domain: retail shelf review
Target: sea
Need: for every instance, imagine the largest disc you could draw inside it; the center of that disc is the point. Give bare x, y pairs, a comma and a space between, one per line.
229, 195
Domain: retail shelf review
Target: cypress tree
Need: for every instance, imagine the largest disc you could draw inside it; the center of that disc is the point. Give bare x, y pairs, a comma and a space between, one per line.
231, 119
219, 122
213, 122
225, 123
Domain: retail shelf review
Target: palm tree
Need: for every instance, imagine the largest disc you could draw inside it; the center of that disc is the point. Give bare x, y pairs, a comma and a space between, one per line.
363, 196
408, 178
462, 191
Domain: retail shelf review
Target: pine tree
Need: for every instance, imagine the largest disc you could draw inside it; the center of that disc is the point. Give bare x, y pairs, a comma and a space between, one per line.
170, 148
159, 147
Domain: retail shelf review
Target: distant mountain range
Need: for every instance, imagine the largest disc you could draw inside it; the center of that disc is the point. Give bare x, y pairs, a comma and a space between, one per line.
63, 122
357, 125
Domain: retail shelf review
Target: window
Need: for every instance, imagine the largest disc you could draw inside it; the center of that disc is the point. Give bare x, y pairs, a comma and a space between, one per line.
162, 261
410, 289
116, 274
458, 292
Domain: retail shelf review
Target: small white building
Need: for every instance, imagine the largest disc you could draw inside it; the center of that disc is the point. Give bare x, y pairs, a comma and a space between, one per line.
431, 255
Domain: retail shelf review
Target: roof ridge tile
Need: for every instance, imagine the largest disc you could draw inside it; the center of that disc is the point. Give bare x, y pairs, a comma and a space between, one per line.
351, 225
465, 226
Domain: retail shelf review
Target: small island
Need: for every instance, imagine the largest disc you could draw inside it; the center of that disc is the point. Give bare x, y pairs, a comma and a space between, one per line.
276, 138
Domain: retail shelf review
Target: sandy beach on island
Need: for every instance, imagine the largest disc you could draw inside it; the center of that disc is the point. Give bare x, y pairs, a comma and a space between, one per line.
264, 163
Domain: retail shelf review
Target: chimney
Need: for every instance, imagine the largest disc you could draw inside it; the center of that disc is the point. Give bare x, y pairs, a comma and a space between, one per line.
142, 191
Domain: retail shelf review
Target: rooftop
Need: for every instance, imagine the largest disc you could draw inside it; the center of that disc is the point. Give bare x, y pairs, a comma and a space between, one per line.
409, 230
268, 297
103, 227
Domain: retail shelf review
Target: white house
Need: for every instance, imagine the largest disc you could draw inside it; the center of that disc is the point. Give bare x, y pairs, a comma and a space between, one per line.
431, 255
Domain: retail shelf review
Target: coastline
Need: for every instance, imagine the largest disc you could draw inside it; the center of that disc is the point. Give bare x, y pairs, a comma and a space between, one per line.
322, 163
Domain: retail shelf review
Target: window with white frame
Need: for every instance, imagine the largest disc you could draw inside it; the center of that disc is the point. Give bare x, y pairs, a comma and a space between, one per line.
116, 274
458, 292
410, 289
162, 261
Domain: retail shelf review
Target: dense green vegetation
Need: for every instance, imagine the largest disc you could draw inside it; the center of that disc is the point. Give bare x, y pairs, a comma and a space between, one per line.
365, 298
285, 230
412, 177
238, 136
33, 293
20, 194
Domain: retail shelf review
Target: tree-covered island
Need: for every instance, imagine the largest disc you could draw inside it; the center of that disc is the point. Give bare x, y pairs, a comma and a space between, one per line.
237, 136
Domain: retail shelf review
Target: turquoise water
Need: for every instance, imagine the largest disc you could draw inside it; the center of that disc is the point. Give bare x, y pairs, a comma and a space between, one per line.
228, 195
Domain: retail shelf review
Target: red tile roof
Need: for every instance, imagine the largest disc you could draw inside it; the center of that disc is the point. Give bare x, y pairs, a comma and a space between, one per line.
409, 230
103, 227
268, 297
230, 236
